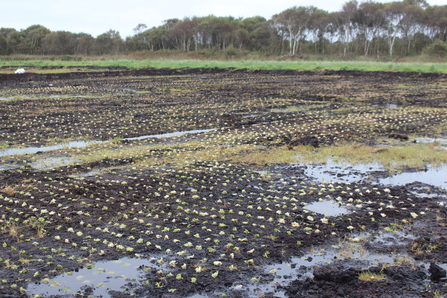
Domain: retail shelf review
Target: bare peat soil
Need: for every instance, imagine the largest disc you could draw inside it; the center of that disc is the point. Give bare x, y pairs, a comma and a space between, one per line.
210, 218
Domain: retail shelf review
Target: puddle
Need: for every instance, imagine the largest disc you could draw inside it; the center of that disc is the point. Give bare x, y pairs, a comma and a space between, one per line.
335, 172
349, 256
387, 238
171, 134
344, 173
433, 176
251, 289
392, 106
53, 162
329, 208
443, 142
346, 254
5, 167
431, 140
87, 174
254, 115
116, 88
257, 290
31, 150
426, 192
102, 277
98, 87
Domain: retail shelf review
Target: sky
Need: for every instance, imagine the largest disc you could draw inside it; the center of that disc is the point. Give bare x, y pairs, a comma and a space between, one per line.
99, 16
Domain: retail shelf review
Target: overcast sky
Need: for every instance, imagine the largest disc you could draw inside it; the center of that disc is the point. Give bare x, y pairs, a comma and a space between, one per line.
98, 16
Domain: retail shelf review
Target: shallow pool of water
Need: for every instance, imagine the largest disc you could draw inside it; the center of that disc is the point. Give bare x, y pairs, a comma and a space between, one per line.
4, 167
441, 141
31, 150
341, 172
302, 267
102, 277
392, 105
433, 176
350, 173
171, 134
53, 162
327, 207
87, 174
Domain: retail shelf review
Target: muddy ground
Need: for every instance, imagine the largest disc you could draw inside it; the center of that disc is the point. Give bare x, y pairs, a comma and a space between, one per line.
211, 219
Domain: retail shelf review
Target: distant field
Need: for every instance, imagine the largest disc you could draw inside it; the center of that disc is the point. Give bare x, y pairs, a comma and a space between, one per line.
39, 64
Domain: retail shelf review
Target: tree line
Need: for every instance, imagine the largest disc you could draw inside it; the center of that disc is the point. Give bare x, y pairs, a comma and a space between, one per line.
399, 28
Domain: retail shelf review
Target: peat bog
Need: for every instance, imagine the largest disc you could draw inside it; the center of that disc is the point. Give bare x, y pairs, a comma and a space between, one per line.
198, 183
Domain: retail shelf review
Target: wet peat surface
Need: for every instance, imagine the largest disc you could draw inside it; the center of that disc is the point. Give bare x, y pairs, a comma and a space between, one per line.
157, 183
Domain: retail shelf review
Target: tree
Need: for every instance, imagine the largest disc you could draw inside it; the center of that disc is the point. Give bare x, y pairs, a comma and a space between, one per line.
223, 31
139, 28
436, 49
83, 44
182, 34
403, 20
294, 22
254, 33
33, 38
393, 13
436, 22
321, 25
411, 24
3, 45
242, 36
263, 39
168, 24
370, 22
402, 27
346, 26
109, 42
204, 33
6, 34
14, 40
58, 43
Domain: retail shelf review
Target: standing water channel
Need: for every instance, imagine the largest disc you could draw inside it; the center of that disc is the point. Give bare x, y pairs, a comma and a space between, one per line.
32, 150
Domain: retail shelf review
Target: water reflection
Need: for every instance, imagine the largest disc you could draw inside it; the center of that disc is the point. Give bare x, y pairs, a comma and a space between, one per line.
31, 150
344, 173
329, 208
102, 277
441, 141
53, 162
170, 135
433, 176
349, 173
